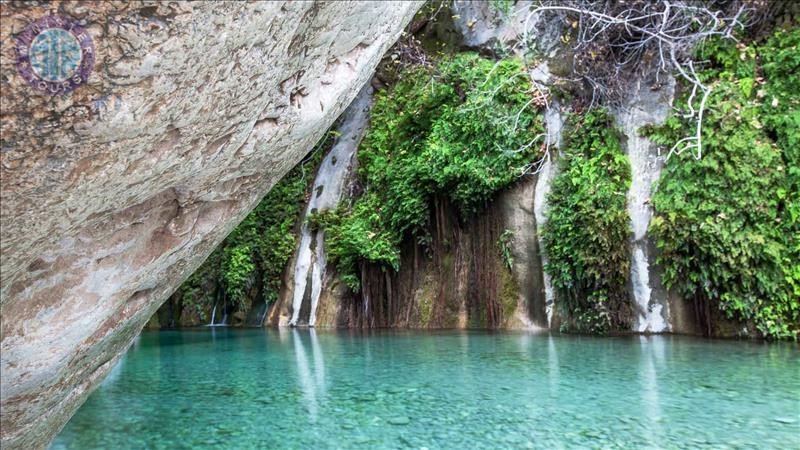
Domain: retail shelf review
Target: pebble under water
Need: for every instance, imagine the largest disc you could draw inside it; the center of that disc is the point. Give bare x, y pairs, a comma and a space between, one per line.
299, 388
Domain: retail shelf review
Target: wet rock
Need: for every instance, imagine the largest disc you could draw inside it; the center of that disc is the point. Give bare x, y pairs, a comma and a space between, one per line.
785, 420
399, 420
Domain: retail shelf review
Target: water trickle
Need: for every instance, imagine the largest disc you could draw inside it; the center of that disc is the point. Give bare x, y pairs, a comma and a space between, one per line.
263, 315
329, 186
651, 316
646, 106
224, 321
554, 123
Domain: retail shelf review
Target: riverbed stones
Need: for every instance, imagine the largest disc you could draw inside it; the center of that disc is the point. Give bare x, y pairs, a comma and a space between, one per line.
399, 420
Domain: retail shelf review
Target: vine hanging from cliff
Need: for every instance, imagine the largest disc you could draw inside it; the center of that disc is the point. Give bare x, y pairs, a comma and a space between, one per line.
728, 226
586, 233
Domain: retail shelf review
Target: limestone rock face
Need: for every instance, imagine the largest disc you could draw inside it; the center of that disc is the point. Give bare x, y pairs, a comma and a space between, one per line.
517, 208
115, 193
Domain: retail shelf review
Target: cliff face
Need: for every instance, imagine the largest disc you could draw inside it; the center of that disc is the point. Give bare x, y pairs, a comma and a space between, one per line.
461, 277
113, 194
461, 280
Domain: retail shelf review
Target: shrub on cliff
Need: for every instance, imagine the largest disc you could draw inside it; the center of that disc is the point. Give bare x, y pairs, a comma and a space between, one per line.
728, 225
587, 229
248, 265
462, 130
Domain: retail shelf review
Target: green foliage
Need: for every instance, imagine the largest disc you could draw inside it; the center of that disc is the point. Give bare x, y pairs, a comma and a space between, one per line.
199, 290
461, 131
504, 7
727, 226
505, 243
259, 247
356, 235
587, 229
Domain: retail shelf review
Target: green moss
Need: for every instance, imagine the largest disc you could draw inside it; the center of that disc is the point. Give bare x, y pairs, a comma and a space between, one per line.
586, 234
505, 244
509, 294
425, 303
447, 262
462, 131
503, 7
727, 226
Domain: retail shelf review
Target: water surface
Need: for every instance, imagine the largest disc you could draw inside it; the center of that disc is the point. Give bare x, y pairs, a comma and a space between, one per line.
213, 388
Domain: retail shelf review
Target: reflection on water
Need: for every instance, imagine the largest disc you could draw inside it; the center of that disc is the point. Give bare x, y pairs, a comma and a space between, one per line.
311, 379
298, 388
552, 366
652, 348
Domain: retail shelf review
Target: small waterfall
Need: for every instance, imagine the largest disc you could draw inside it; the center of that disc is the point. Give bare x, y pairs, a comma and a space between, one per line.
256, 314
263, 316
329, 187
224, 321
646, 106
554, 123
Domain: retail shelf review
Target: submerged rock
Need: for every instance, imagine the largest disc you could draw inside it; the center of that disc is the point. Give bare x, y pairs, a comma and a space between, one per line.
399, 420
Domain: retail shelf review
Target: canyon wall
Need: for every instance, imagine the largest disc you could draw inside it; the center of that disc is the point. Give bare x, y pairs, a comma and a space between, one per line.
485, 271
113, 194
460, 280
439, 286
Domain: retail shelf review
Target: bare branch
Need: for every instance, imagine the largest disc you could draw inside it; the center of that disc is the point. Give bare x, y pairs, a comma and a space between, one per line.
629, 37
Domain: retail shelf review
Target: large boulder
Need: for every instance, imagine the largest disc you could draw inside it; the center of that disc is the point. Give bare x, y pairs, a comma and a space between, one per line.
113, 194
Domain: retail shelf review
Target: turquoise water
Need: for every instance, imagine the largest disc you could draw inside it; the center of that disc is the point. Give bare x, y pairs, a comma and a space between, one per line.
224, 388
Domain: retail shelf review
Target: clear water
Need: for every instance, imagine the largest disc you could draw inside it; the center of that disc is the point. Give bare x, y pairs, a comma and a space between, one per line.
223, 388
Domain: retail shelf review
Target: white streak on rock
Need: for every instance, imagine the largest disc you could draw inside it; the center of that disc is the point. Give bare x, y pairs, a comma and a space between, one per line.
329, 186
554, 123
645, 106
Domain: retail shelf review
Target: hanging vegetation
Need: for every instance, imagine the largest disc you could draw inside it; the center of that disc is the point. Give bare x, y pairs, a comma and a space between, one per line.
248, 265
586, 233
728, 225
461, 130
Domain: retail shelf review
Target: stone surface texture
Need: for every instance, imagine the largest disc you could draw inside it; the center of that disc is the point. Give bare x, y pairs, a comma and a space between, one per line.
114, 194
647, 104
517, 208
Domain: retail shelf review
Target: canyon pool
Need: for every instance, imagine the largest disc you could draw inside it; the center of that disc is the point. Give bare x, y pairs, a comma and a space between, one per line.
300, 388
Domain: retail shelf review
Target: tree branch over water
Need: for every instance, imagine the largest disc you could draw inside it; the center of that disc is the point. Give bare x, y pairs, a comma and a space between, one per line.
613, 39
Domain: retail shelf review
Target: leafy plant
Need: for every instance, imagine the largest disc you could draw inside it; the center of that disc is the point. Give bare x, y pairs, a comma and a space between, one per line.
586, 233
505, 244
257, 250
727, 226
462, 130
503, 7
